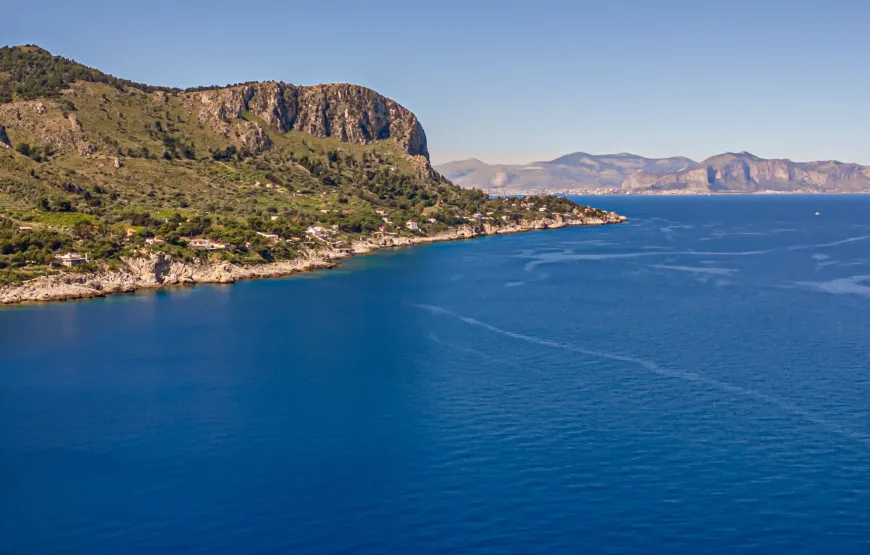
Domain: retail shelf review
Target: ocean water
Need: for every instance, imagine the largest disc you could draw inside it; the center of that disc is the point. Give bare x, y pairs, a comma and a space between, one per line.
694, 381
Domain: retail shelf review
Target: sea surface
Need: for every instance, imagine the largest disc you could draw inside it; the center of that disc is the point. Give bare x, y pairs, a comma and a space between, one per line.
694, 381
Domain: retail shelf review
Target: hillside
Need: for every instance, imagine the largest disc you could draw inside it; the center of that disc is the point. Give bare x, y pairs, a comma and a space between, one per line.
248, 174
578, 172
745, 173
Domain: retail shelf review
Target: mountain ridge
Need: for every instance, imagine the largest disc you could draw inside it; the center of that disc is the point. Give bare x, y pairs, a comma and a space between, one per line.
352, 113
743, 172
110, 171
574, 171
728, 172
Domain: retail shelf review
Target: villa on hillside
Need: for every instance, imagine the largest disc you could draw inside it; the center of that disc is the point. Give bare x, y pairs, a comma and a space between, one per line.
270, 236
319, 232
412, 225
72, 259
207, 244
154, 241
25, 229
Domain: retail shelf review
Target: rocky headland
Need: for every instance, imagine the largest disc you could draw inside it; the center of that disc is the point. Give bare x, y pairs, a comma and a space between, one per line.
156, 270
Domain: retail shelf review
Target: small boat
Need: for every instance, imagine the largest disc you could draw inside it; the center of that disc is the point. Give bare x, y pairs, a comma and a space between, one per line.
818, 214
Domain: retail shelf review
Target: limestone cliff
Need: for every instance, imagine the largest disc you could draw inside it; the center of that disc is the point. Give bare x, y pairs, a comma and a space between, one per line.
45, 122
349, 113
36, 81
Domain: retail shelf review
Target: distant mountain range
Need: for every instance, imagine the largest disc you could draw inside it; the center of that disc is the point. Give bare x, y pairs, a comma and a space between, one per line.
627, 173
570, 172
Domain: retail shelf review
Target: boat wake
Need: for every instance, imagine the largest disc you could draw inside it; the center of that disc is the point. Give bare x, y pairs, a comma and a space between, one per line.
654, 368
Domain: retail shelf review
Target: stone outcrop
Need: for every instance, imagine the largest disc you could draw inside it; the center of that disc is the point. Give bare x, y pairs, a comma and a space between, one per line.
349, 113
250, 136
4, 138
157, 270
159, 98
745, 173
45, 122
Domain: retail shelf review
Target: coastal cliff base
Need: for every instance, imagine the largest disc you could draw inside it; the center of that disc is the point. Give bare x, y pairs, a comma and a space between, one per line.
154, 271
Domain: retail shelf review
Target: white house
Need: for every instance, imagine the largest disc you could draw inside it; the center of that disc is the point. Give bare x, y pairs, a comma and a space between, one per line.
72, 259
318, 231
412, 225
270, 236
198, 243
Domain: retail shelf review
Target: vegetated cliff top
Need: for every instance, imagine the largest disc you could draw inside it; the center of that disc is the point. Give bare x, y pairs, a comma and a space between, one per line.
94, 164
349, 112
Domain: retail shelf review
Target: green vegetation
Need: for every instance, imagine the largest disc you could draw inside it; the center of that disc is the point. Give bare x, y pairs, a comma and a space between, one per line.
30, 72
106, 156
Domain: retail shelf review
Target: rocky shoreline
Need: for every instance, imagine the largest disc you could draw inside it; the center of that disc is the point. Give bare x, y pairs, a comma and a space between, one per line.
157, 271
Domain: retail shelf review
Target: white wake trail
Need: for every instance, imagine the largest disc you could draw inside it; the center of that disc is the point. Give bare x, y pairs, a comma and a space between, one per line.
660, 371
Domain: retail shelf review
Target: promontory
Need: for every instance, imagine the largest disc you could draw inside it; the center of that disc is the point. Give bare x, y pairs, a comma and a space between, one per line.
107, 185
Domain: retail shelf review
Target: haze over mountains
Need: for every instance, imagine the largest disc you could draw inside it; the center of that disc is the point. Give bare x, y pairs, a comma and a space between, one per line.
572, 171
628, 173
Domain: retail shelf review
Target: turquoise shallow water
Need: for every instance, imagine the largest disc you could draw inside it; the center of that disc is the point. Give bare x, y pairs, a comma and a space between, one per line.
695, 381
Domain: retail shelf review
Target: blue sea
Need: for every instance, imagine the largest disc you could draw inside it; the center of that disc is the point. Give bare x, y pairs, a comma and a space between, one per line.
694, 381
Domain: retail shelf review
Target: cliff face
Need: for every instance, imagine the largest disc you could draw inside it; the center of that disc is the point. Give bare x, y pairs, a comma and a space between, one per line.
745, 173
35, 81
45, 122
349, 113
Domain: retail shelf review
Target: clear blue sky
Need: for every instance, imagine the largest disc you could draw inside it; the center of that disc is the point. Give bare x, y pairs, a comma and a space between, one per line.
516, 81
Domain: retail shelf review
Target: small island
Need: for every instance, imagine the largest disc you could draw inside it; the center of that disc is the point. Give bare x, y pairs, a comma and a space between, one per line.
110, 186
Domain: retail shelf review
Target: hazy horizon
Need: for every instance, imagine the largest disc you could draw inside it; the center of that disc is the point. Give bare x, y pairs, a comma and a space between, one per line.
550, 158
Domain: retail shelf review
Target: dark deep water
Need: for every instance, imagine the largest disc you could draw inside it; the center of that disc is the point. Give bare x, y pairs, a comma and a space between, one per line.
696, 381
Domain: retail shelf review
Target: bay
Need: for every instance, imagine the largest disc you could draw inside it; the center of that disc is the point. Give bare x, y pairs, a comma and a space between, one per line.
695, 380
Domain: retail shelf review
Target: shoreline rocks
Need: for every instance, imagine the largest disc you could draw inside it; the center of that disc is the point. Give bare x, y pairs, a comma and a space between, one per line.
158, 270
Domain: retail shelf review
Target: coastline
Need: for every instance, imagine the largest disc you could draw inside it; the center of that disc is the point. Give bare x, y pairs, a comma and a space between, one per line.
616, 192
156, 271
